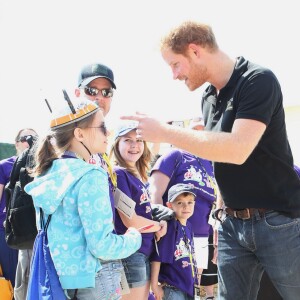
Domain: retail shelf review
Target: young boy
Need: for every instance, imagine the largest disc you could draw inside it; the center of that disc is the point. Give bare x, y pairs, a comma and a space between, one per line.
173, 265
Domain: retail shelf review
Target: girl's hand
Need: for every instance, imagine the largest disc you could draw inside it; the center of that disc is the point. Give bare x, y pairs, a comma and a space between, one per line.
158, 292
163, 230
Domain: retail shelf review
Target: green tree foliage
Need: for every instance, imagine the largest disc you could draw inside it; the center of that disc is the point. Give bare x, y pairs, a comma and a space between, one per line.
7, 150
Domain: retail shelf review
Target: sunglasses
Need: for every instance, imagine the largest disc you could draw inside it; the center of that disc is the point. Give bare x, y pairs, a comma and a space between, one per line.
23, 139
91, 91
102, 127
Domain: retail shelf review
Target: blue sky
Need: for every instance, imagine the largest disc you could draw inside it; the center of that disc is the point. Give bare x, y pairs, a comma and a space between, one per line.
44, 44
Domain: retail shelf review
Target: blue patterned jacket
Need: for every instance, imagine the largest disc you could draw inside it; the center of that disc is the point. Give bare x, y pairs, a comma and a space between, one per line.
81, 228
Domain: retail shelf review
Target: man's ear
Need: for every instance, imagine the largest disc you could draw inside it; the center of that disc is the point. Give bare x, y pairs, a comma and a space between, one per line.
78, 134
194, 49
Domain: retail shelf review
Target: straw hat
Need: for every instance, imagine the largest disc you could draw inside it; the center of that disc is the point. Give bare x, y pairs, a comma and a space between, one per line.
73, 111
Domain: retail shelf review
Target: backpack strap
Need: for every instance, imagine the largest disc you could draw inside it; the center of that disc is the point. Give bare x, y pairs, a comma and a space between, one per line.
42, 221
14, 174
18, 165
75, 295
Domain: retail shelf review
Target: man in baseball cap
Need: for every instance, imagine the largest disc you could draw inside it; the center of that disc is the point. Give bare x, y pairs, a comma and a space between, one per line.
96, 81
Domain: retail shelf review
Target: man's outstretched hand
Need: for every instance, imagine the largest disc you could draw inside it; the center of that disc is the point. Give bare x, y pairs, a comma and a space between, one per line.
150, 129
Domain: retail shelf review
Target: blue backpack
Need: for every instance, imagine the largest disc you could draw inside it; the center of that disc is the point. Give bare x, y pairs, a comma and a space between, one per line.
43, 283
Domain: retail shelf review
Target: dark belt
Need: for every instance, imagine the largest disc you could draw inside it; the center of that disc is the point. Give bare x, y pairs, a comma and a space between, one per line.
169, 286
245, 213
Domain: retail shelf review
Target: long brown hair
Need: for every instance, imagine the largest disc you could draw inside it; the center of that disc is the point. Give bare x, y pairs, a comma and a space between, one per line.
142, 165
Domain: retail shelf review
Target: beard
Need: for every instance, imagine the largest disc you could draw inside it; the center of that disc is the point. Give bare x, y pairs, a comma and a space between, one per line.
197, 76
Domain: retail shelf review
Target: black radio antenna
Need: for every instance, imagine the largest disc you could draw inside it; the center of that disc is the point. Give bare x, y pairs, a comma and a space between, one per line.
48, 105
69, 102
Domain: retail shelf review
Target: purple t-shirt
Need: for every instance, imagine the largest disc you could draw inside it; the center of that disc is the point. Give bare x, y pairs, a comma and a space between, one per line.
177, 257
138, 192
183, 167
6, 166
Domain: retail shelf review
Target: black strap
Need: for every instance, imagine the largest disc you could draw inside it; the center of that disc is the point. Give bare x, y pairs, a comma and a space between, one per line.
87, 149
75, 295
42, 221
14, 174
19, 172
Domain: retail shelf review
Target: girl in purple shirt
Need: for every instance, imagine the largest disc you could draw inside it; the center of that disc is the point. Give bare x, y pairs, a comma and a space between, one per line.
132, 158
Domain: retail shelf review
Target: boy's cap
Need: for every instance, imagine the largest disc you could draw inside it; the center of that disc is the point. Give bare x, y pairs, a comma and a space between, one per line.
64, 115
125, 127
178, 189
92, 71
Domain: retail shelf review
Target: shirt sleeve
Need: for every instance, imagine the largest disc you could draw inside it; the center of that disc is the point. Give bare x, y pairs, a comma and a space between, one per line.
166, 245
97, 219
167, 163
257, 97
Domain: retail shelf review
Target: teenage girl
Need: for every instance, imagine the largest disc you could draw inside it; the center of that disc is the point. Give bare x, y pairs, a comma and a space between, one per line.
132, 158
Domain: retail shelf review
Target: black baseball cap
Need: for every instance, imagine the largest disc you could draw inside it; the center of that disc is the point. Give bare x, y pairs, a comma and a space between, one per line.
92, 71
179, 189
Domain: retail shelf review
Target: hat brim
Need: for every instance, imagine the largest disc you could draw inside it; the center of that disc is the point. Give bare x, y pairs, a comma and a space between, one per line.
125, 131
88, 80
179, 193
72, 118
